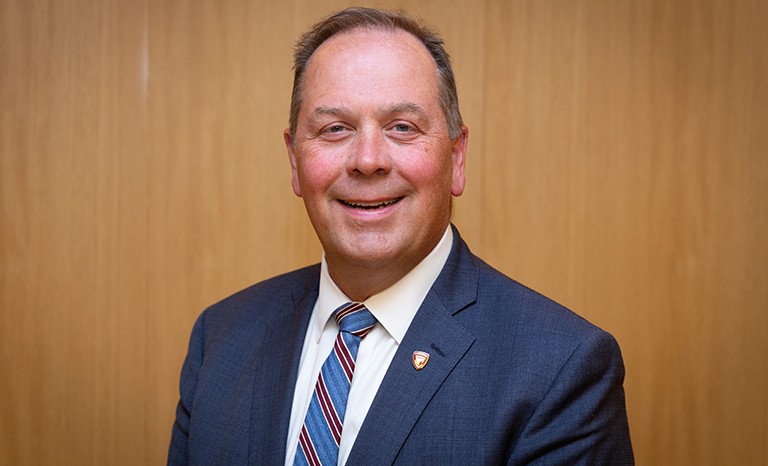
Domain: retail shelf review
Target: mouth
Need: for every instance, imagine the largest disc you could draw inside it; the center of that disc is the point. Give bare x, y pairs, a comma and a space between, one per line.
370, 205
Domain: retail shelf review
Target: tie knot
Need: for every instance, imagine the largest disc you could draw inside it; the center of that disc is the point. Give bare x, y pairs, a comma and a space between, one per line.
354, 318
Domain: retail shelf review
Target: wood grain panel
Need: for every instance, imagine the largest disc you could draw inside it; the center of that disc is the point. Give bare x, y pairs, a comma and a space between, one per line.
617, 163
72, 253
630, 185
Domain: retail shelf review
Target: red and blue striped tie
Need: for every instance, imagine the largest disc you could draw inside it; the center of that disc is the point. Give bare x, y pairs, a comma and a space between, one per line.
321, 432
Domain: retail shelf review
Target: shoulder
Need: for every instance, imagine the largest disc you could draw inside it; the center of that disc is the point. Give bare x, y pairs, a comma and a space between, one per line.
488, 302
281, 287
517, 323
524, 306
261, 303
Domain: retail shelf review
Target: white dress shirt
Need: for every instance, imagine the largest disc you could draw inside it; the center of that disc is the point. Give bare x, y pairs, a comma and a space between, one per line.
394, 308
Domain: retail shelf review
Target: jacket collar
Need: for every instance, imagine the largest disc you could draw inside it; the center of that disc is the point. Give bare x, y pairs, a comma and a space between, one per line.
405, 392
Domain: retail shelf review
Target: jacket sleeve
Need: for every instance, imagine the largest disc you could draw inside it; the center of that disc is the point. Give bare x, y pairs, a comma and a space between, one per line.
582, 419
178, 453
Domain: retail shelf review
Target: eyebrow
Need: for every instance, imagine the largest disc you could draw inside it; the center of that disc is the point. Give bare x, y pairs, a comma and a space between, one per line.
401, 107
334, 111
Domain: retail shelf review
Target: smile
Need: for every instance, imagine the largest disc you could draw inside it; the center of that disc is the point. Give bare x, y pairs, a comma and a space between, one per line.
370, 205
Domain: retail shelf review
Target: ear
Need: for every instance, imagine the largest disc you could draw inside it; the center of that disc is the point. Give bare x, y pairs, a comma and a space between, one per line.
289, 145
459, 156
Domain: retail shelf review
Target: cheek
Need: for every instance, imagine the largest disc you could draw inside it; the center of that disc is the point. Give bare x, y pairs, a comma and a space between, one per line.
434, 172
315, 173
432, 181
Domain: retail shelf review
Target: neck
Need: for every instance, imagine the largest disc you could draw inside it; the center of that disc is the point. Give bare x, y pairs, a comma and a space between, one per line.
360, 282
360, 279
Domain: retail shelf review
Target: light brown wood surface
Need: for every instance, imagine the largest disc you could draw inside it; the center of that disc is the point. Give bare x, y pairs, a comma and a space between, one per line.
618, 162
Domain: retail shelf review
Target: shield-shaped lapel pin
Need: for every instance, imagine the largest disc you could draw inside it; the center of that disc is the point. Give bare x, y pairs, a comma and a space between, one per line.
419, 360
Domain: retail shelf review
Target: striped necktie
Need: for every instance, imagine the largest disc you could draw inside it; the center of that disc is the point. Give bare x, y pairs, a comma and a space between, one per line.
321, 432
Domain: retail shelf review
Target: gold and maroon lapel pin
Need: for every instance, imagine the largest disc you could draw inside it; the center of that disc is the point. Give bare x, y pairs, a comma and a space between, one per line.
419, 359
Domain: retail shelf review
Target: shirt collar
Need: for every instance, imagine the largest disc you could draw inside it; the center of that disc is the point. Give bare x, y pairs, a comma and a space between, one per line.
394, 307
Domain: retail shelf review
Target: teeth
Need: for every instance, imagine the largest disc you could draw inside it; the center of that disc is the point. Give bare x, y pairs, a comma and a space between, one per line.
369, 205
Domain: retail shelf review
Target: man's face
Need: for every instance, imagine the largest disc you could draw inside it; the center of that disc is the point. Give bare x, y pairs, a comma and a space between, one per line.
372, 157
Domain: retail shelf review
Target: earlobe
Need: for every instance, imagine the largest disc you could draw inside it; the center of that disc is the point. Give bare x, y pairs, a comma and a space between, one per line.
292, 159
459, 154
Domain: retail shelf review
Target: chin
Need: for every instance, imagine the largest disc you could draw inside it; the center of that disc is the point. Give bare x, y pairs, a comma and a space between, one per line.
371, 259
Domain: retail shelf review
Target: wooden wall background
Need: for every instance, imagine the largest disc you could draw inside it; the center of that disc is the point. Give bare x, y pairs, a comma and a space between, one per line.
618, 163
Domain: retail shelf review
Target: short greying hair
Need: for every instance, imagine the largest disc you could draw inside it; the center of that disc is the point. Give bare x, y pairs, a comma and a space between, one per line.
368, 18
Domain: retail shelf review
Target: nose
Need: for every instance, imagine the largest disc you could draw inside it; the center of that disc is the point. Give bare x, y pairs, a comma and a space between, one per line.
370, 154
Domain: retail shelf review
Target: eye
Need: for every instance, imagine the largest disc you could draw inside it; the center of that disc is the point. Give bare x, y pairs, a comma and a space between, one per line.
403, 131
335, 129
335, 132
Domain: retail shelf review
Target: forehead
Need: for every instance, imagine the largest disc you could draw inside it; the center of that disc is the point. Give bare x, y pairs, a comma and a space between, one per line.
371, 62
371, 39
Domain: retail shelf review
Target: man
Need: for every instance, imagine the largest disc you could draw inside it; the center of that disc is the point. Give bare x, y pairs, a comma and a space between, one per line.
462, 365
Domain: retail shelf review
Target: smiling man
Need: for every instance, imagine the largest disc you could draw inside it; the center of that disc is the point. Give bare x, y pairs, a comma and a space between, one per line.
372, 157
401, 346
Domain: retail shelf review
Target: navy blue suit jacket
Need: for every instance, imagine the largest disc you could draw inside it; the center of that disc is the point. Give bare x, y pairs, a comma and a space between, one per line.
513, 378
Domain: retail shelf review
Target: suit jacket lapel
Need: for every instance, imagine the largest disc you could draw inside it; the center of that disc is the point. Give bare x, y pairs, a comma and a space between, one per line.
405, 392
277, 364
